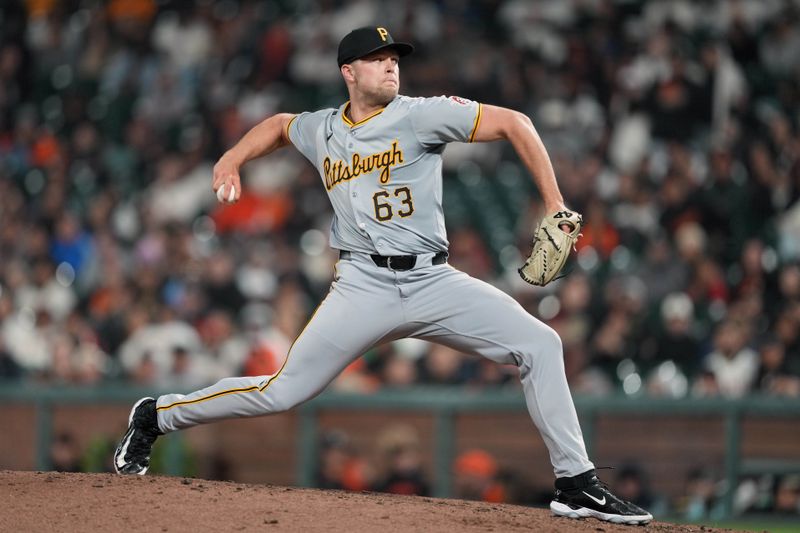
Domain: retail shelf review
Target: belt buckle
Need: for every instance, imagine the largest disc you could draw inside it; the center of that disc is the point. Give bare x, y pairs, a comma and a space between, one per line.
407, 262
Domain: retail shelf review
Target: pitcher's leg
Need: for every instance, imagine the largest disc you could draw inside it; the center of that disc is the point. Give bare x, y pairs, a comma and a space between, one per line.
310, 365
344, 326
474, 317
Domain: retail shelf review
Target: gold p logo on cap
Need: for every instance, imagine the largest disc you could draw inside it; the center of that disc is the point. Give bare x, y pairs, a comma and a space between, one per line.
383, 33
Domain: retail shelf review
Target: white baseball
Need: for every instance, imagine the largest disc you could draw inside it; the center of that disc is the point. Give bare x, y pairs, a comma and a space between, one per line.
221, 194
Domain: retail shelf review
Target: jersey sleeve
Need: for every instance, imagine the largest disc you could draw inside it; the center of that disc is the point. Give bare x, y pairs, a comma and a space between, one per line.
445, 119
303, 130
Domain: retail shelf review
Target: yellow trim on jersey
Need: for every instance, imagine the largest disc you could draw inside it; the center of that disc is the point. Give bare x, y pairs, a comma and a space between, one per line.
254, 387
289, 125
360, 122
477, 122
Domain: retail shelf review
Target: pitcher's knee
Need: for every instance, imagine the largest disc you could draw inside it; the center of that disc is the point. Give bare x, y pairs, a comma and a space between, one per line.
280, 393
279, 405
551, 342
545, 344
279, 399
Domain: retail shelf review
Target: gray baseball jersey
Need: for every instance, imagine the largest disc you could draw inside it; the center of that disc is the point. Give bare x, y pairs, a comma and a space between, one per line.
384, 174
383, 177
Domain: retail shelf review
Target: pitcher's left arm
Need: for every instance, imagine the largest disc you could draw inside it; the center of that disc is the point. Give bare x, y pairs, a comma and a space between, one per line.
502, 123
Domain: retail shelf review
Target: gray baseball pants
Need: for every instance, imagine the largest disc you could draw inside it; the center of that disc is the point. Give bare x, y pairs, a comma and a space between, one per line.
368, 305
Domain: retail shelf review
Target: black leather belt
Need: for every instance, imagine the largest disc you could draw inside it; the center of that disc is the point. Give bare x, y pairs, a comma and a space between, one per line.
398, 262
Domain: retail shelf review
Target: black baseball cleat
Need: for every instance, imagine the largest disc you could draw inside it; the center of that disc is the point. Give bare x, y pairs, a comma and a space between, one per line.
133, 451
586, 496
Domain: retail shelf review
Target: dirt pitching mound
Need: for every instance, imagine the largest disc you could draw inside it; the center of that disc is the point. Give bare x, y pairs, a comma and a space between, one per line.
52, 501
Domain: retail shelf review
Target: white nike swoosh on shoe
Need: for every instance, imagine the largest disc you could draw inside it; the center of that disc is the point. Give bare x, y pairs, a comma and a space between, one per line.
600, 502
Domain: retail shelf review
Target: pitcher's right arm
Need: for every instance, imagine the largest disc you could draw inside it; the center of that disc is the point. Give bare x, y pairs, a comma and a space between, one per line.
262, 139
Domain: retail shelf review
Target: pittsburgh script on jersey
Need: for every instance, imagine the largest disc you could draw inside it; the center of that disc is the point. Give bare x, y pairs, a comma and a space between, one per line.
338, 171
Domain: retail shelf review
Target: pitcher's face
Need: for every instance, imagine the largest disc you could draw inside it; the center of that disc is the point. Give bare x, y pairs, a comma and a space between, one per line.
375, 78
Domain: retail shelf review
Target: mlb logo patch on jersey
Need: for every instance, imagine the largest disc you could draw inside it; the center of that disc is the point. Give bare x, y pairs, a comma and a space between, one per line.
459, 100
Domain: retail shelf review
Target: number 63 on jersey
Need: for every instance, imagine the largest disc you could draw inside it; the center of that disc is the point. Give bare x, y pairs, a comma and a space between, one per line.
390, 203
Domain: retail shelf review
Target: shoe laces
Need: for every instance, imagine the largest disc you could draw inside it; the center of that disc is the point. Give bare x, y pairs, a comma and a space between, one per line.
605, 488
602, 483
141, 445
144, 435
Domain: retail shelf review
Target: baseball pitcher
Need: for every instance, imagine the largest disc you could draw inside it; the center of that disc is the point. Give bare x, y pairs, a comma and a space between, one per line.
379, 157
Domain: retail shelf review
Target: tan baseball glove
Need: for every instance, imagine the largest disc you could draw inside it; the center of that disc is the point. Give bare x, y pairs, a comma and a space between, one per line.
551, 247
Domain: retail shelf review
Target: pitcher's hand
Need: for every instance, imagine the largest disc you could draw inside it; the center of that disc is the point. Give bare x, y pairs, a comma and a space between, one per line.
227, 183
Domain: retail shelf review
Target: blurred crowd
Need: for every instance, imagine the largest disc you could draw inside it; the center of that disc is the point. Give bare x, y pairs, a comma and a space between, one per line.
673, 127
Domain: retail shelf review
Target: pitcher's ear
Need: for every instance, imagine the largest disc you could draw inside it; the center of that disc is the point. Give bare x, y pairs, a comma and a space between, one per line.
347, 72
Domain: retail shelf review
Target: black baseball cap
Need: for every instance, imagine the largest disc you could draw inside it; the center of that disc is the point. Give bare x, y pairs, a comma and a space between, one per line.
364, 41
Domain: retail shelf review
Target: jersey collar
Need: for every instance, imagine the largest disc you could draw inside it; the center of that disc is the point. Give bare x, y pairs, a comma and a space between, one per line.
352, 124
